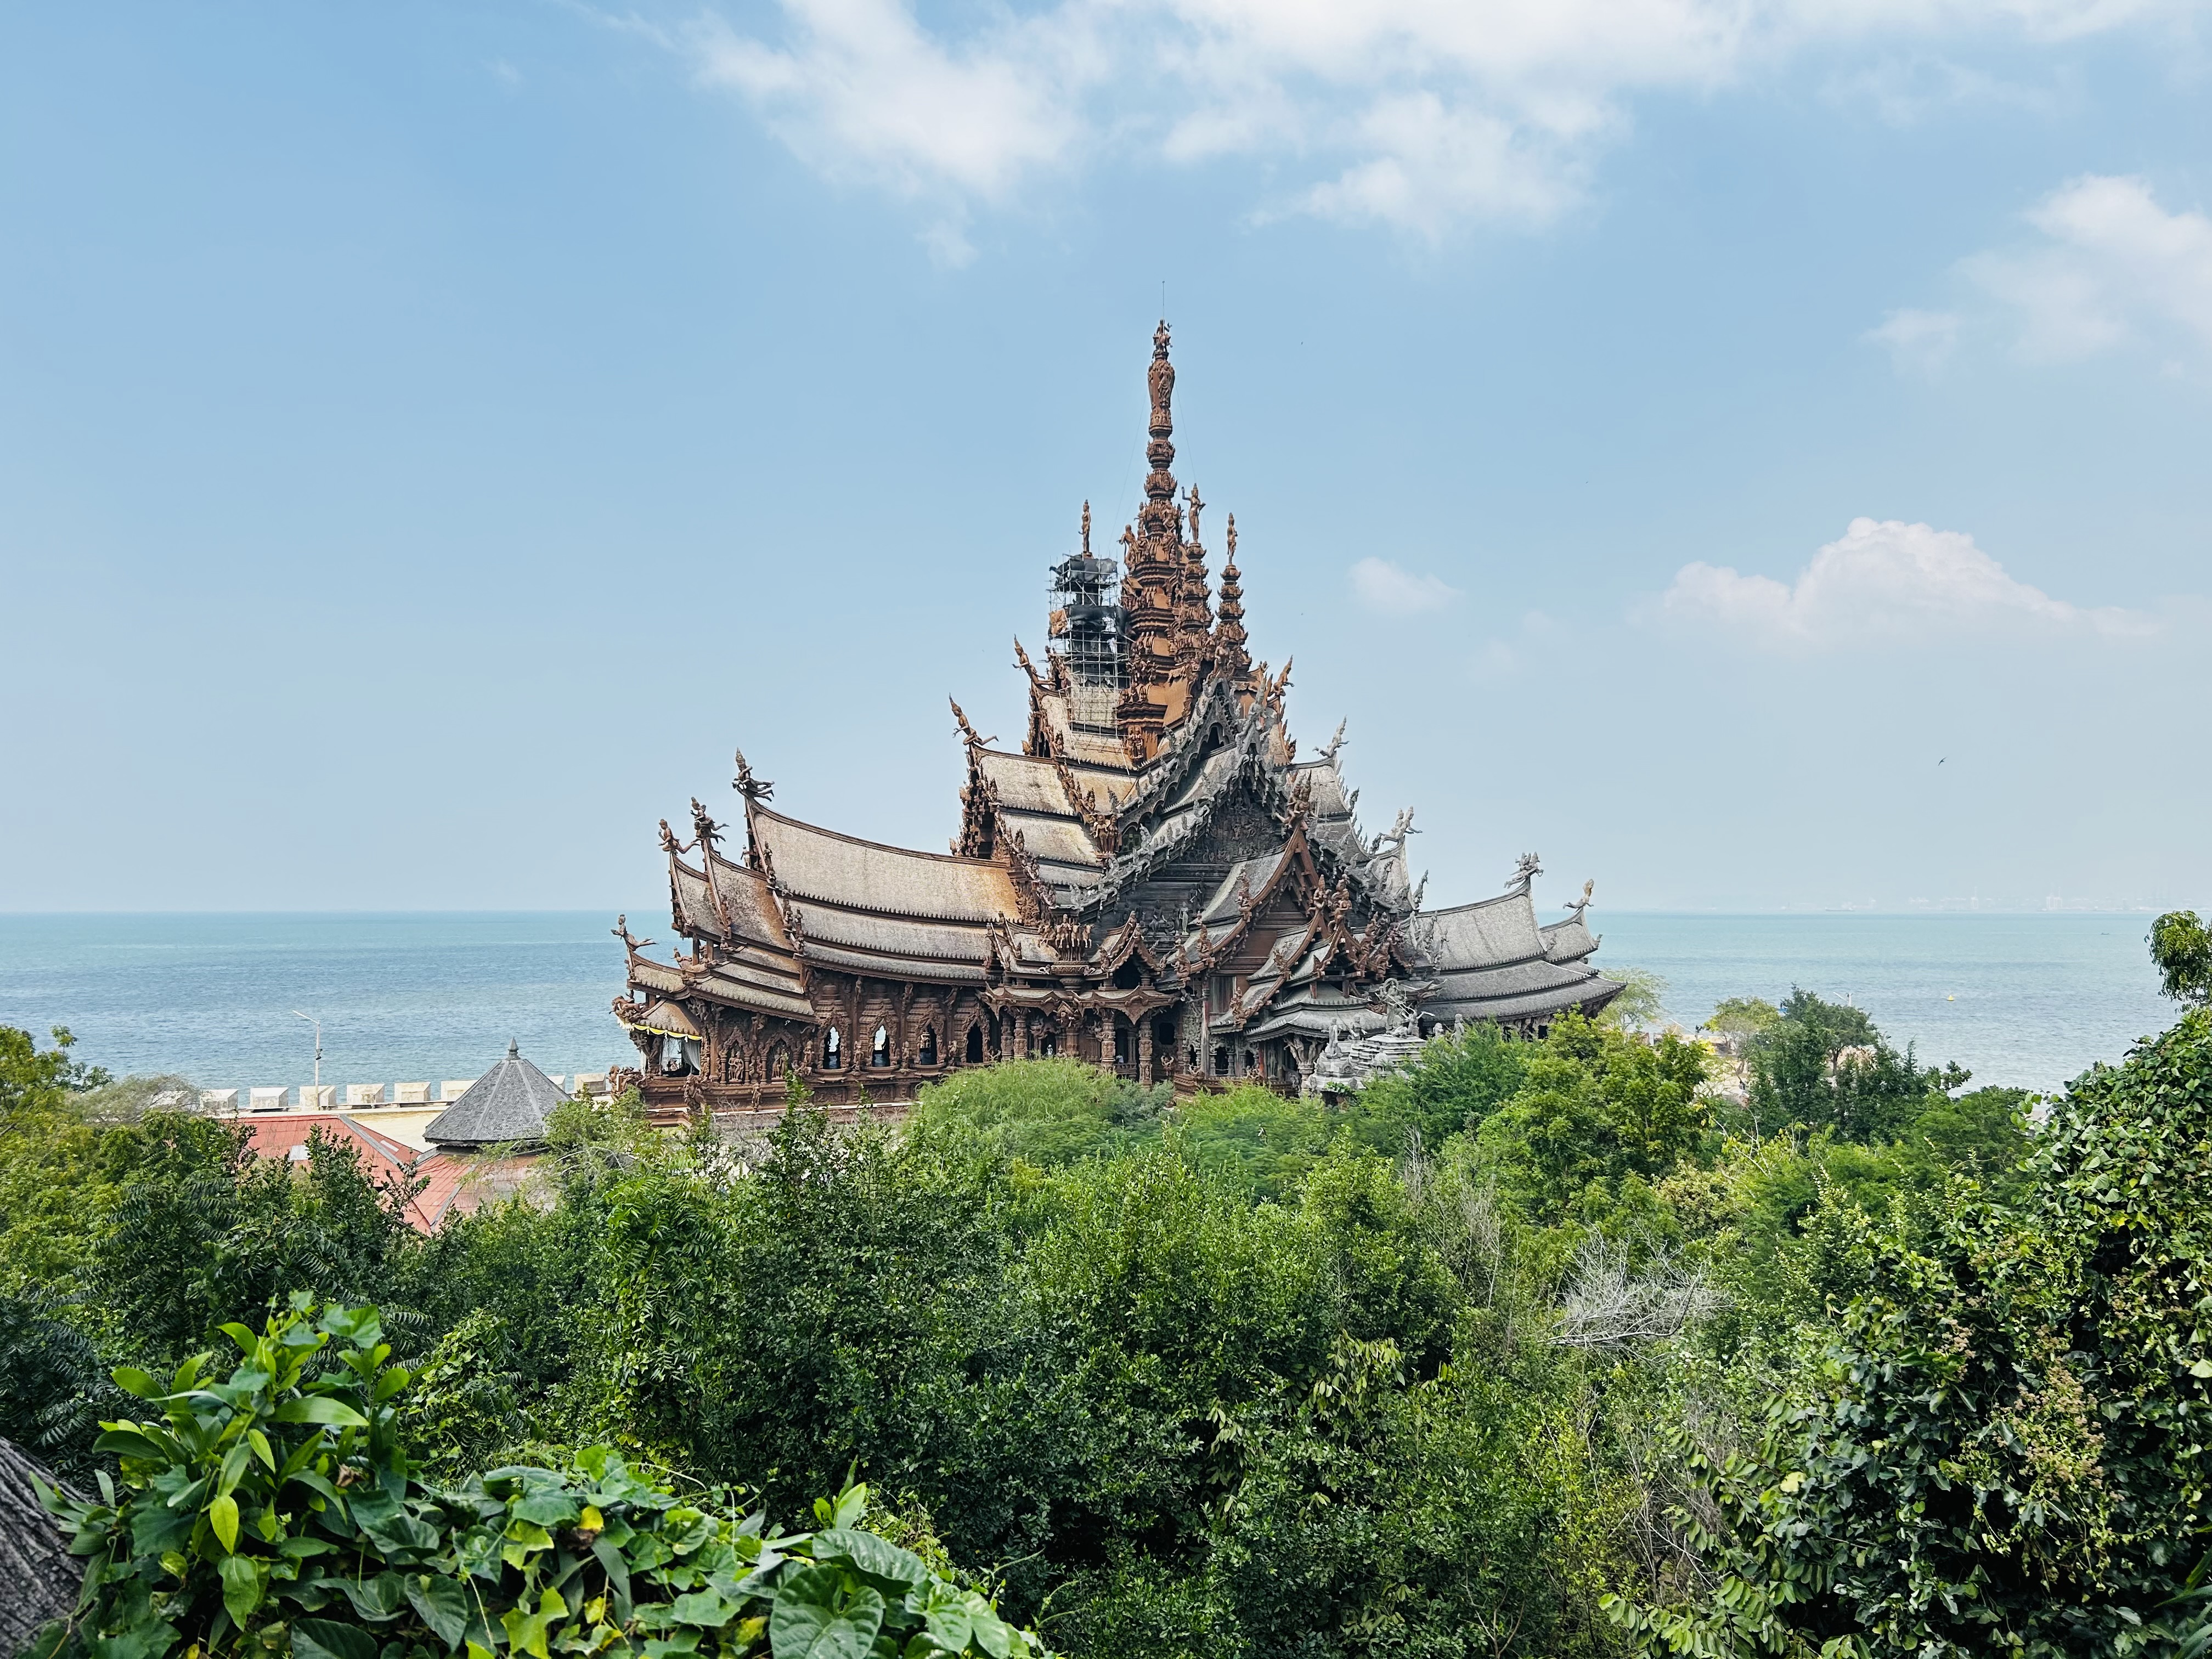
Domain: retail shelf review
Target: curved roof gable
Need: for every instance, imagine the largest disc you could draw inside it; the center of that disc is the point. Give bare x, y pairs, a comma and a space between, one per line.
865, 875
1485, 933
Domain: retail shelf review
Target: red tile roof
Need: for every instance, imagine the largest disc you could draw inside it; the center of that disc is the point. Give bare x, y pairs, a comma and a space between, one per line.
453, 1184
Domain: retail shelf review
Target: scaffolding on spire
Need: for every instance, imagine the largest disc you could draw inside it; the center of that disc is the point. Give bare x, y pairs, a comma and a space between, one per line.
1087, 634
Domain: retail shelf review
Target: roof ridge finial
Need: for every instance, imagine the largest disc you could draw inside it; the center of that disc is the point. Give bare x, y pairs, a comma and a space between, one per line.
1086, 529
513, 1049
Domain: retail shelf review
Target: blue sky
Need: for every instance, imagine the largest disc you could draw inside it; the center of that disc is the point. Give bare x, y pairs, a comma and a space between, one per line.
1750, 454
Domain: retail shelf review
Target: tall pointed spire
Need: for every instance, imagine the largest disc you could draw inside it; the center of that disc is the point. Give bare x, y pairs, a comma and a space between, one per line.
1152, 581
1229, 652
1193, 607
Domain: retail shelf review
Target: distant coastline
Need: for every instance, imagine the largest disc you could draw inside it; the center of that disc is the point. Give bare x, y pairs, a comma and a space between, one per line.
2027, 997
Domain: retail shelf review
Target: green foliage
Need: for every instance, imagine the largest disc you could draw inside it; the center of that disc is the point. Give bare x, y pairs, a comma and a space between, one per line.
202, 1229
1045, 1112
1259, 1142
1741, 1018
1430, 1372
1641, 1001
34, 1078
1997, 1444
1823, 1065
2181, 949
278, 1506
1596, 1109
51, 1385
1461, 1079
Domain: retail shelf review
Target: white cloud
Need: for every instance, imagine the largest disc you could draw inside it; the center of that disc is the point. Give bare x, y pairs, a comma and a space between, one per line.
1918, 341
864, 89
1389, 591
2113, 265
1883, 581
1419, 115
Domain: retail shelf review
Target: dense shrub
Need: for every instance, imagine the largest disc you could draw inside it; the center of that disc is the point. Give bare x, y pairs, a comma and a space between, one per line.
276, 1507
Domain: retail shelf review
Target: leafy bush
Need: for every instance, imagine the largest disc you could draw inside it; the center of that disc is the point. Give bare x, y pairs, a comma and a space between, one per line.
1045, 1112
1997, 1445
274, 1508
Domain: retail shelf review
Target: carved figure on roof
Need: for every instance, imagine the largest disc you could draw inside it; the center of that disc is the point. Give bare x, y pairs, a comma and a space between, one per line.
668, 842
704, 829
1391, 843
1161, 377
1330, 749
967, 731
759, 790
1086, 529
1581, 904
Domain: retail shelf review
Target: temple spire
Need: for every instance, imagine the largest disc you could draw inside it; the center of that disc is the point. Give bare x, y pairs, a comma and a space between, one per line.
1153, 580
1194, 602
1229, 652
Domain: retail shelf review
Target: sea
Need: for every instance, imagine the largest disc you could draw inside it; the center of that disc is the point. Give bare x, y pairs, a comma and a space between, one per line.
2029, 1000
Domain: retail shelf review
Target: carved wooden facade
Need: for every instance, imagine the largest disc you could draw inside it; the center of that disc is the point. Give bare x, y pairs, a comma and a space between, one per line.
1155, 883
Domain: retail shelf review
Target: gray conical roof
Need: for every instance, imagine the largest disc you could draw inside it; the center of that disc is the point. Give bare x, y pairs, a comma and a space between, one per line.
508, 1103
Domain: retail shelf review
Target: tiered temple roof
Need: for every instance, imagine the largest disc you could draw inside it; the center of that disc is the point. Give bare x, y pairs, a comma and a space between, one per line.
1155, 881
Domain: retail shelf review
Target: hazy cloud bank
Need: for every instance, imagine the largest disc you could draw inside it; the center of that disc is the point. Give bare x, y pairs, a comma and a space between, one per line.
1389, 591
1883, 581
1413, 114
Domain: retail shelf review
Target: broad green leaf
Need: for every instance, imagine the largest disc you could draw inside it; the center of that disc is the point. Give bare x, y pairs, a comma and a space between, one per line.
130, 1442
548, 1507
812, 1620
242, 1587
222, 1517
320, 1408
326, 1639
391, 1383
131, 1380
949, 1626
259, 1442
991, 1634
376, 1598
870, 1556
238, 1334
704, 1608
234, 1467
441, 1604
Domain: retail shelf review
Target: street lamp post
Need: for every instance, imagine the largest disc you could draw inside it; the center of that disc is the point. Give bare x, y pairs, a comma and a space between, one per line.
318, 1024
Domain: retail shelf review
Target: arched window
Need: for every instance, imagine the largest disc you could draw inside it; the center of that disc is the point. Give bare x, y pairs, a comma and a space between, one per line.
1251, 1063
833, 1050
1190, 1056
1121, 1042
779, 1062
879, 1052
975, 1043
928, 1056
1221, 1060
1048, 1048
1164, 1028
1129, 975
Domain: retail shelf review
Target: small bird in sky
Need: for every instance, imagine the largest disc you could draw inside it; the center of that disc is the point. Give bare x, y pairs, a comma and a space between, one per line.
1940, 761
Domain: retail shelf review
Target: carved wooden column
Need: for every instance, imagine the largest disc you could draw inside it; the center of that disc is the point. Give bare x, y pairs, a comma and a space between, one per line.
1144, 1052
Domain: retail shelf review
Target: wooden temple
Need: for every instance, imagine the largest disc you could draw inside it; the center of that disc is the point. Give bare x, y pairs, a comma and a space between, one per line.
1155, 883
